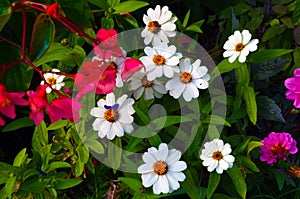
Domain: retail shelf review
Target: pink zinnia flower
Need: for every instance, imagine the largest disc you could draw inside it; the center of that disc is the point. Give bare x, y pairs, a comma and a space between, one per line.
8, 100
293, 84
129, 67
277, 146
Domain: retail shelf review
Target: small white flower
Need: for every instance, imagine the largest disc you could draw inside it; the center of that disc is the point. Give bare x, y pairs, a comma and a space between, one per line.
159, 25
161, 60
215, 155
54, 81
140, 84
163, 169
239, 45
187, 82
113, 118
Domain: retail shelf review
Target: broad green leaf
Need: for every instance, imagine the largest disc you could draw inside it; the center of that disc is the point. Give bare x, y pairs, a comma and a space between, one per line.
214, 179
256, 18
79, 168
5, 13
42, 133
155, 140
221, 196
166, 121
19, 159
186, 18
107, 23
126, 22
234, 21
268, 69
238, 180
57, 125
243, 75
242, 146
129, 6
100, 3
189, 185
42, 36
3, 178
10, 186
248, 163
34, 187
113, 3
238, 10
252, 145
266, 55
66, 183
215, 119
268, 109
57, 165
273, 32
296, 53
195, 27
18, 124
132, 183
52, 191
280, 178
224, 67
29, 172
115, 153
83, 153
251, 106
94, 145
296, 13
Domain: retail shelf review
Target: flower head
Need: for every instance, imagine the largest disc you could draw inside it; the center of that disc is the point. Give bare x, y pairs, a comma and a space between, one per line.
277, 146
140, 84
216, 155
113, 116
8, 100
55, 11
187, 82
294, 170
161, 60
54, 81
162, 169
159, 25
239, 45
293, 84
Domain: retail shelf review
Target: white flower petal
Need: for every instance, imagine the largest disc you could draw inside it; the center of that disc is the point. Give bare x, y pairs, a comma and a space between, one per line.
177, 175
148, 158
229, 158
149, 179
97, 112
173, 157
219, 169
173, 183
177, 166
246, 36
145, 168
233, 57
110, 99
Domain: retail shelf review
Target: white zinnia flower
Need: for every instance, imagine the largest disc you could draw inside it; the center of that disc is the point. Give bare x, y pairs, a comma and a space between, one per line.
113, 117
239, 45
159, 25
215, 155
139, 83
54, 81
187, 82
162, 169
161, 60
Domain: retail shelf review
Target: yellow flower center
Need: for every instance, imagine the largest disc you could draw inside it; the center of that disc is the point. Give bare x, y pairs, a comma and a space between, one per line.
158, 59
5, 103
185, 77
51, 81
111, 115
217, 155
146, 83
239, 47
277, 149
153, 26
160, 167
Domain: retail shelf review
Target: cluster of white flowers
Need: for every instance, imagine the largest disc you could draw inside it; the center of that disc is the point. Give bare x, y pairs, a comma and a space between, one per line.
53, 80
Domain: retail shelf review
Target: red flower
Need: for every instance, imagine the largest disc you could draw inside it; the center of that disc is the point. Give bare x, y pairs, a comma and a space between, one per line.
37, 103
64, 107
8, 100
129, 67
55, 11
97, 77
108, 46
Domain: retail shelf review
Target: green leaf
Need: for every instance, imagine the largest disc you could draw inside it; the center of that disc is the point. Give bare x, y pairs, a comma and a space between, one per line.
215, 119
242, 146
248, 163
296, 13
10, 186
79, 168
57, 165
113, 3
57, 125
224, 67
251, 106
5, 13
238, 180
129, 6
42, 36
126, 22
233, 21
66, 183
100, 3
34, 187
243, 76
214, 179
94, 145
115, 153
3, 178
189, 185
221, 196
266, 55
186, 18
19, 159
195, 27
107, 23
273, 32
268, 109
83, 153
238, 10
252, 145
132, 183
166, 121
268, 69
280, 178
18, 124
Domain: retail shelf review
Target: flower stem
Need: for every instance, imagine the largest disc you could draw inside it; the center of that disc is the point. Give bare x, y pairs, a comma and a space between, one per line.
23, 56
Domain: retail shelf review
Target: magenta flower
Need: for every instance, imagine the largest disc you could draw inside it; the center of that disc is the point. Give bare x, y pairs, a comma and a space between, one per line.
277, 146
293, 84
129, 67
8, 100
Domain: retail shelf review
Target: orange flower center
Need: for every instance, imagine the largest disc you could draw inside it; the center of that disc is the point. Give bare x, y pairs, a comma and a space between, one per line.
217, 155
146, 83
158, 59
111, 115
185, 77
277, 149
51, 81
239, 47
112, 65
160, 167
5, 103
153, 26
